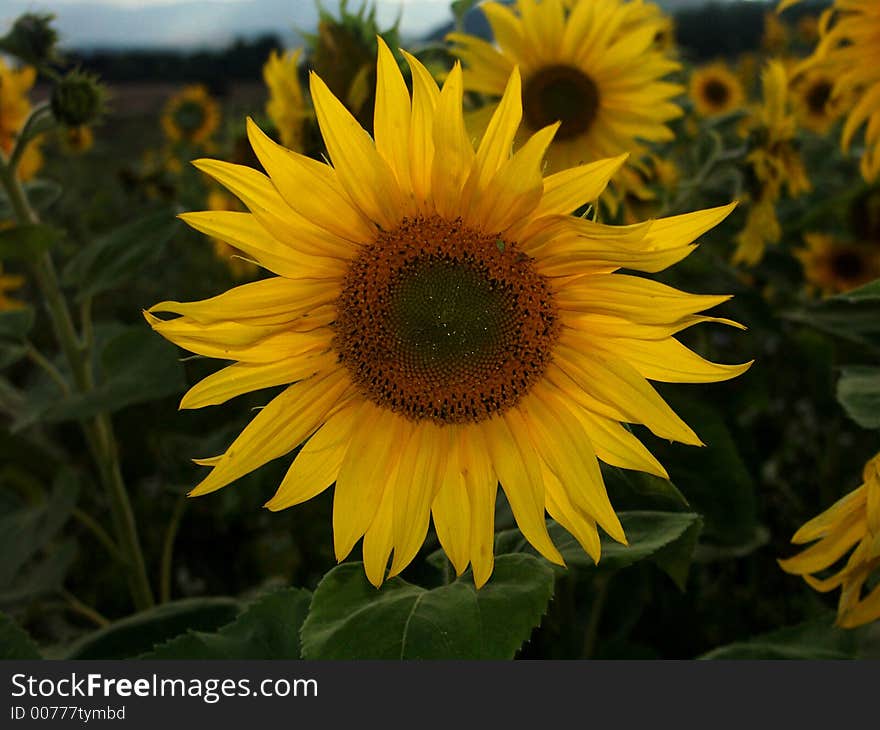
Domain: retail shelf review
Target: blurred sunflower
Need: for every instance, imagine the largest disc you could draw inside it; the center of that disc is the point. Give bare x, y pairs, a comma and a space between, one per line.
851, 522
849, 51
715, 90
287, 107
15, 106
442, 325
639, 187
77, 140
776, 36
774, 163
595, 68
808, 29
832, 266
191, 115
8, 284
239, 267
816, 107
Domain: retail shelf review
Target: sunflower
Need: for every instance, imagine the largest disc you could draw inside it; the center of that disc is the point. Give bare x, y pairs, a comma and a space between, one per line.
832, 266
817, 109
595, 68
715, 90
851, 522
191, 115
9, 283
774, 164
776, 36
441, 325
286, 106
240, 267
15, 84
77, 140
849, 51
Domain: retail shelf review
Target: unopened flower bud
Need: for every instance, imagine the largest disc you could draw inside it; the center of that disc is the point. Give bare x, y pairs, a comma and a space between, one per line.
32, 39
77, 99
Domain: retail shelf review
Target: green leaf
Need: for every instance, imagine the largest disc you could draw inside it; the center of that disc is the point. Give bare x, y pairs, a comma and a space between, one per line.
136, 366
112, 259
668, 538
27, 241
854, 316
16, 323
815, 639
139, 633
868, 292
350, 619
858, 391
42, 194
14, 641
714, 478
10, 354
267, 629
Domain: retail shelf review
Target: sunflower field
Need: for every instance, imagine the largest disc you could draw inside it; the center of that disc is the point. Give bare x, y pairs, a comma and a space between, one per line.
552, 335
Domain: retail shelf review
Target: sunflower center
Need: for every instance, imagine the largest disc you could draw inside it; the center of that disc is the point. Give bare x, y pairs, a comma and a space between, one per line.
716, 92
189, 117
561, 94
818, 96
440, 322
847, 265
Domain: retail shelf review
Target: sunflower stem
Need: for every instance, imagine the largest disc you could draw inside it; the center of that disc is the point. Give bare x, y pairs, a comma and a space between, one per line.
99, 429
591, 635
168, 550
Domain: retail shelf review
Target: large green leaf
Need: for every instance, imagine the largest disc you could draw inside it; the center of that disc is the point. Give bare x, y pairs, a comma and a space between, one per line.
714, 478
111, 260
854, 316
27, 241
868, 292
139, 633
267, 629
816, 639
858, 391
667, 538
136, 367
350, 619
31, 566
14, 641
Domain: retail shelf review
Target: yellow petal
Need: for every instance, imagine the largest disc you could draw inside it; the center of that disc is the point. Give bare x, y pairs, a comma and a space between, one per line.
451, 141
280, 427
616, 446
317, 464
363, 174
451, 509
515, 462
482, 487
829, 549
391, 123
421, 140
379, 538
422, 469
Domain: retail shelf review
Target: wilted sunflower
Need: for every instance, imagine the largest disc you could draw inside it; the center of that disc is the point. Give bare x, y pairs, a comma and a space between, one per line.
286, 107
832, 266
849, 50
715, 90
15, 106
595, 68
191, 115
442, 325
853, 521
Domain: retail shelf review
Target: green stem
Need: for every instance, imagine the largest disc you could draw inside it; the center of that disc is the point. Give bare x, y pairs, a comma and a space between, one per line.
99, 533
38, 358
77, 606
168, 550
99, 429
591, 635
24, 136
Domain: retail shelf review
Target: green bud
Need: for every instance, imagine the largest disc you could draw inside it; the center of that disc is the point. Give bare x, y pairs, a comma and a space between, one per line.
77, 99
31, 39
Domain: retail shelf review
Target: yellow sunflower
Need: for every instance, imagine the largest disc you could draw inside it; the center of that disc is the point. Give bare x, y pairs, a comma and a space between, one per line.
816, 107
9, 283
715, 90
776, 36
286, 107
594, 67
832, 266
851, 522
15, 106
849, 51
191, 115
78, 140
774, 164
442, 325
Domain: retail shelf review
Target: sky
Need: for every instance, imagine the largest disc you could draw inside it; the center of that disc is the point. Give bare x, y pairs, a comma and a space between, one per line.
151, 23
